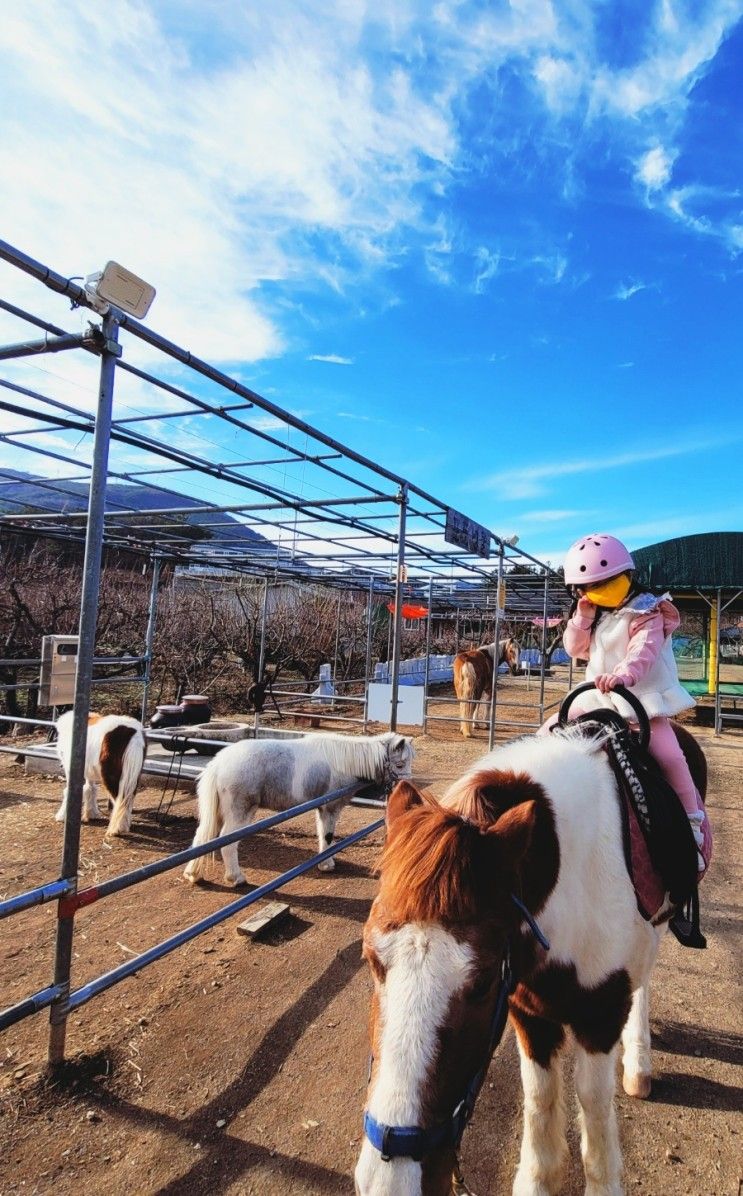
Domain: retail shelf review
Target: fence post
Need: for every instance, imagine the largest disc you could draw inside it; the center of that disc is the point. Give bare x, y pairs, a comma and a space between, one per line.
87, 628
402, 498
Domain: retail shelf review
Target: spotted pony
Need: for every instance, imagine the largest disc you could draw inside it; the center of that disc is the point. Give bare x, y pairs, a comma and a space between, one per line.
538, 822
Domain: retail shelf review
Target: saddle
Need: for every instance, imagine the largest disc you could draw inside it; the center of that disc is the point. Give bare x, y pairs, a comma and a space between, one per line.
659, 848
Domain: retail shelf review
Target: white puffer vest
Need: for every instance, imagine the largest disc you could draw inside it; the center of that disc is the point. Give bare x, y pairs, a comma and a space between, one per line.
659, 690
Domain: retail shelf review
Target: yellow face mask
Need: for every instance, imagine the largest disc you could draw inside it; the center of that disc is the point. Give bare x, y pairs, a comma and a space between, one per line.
611, 593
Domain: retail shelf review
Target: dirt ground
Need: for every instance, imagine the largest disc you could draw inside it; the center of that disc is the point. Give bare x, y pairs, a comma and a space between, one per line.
235, 1067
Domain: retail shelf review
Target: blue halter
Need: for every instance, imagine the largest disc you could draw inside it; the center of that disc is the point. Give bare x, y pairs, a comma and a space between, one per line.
413, 1142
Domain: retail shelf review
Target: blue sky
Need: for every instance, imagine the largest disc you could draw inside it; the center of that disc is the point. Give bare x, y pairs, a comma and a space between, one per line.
497, 247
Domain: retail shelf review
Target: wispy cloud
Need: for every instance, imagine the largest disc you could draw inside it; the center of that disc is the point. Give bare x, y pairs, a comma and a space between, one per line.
534, 480
331, 358
626, 290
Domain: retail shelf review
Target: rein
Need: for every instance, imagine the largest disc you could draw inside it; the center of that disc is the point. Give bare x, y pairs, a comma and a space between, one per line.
415, 1142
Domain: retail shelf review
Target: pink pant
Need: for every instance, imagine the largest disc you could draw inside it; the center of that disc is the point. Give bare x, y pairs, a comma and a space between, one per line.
665, 748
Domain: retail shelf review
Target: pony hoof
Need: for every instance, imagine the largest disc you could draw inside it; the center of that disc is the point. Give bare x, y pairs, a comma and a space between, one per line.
59, 816
638, 1086
236, 879
326, 866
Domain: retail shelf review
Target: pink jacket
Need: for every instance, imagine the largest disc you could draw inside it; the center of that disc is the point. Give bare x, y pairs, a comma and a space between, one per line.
634, 644
647, 634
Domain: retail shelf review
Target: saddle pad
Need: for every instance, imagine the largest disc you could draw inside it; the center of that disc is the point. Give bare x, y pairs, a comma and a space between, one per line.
649, 888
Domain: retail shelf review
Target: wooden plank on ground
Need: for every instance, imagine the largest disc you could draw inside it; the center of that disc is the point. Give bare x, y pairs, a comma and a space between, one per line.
268, 915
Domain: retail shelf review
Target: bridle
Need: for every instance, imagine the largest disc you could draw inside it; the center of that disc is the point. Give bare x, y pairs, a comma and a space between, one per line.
415, 1142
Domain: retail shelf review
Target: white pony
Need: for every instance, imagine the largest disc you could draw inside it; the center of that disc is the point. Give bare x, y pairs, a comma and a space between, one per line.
114, 755
278, 775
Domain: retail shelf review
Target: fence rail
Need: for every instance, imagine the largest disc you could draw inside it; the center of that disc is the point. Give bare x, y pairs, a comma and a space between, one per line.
71, 900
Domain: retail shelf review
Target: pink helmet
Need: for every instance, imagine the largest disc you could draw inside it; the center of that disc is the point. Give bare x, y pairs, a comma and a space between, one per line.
596, 558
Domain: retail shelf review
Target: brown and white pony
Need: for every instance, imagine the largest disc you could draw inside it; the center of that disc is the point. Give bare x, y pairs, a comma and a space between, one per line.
537, 819
473, 678
114, 755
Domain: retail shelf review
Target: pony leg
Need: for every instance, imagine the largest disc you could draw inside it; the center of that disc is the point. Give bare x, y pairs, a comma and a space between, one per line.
484, 708
121, 815
62, 811
467, 716
90, 802
233, 873
326, 818
543, 1145
637, 1068
602, 1157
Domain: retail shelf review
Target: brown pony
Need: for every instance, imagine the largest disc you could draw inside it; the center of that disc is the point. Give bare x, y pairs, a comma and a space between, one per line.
473, 678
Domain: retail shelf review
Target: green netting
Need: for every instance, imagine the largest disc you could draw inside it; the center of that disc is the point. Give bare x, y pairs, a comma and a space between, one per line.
700, 689
710, 561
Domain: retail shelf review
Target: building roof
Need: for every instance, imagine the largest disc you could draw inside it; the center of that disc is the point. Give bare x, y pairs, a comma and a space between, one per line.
710, 561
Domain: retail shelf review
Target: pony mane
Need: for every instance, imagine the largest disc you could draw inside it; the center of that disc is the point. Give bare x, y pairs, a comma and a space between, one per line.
353, 754
432, 867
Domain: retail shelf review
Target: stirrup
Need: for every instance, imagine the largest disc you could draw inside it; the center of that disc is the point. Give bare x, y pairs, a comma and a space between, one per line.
685, 924
458, 1186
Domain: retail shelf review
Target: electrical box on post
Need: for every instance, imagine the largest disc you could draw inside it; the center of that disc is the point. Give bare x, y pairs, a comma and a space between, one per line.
58, 669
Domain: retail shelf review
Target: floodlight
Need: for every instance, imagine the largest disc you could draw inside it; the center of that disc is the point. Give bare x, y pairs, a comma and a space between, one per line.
511, 541
116, 286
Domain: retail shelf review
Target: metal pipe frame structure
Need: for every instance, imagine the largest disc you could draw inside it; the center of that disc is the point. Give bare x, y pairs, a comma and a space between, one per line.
339, 519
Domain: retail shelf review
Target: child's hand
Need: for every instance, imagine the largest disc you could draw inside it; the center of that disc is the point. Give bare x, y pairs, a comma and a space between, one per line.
605, 682
585, 608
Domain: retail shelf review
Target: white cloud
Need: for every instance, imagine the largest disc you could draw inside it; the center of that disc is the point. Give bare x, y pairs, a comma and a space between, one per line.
530, 481
212, 175
331, 358
626, 290
655, 167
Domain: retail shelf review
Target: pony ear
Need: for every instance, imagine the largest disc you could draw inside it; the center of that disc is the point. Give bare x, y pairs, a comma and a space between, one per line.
514, 831
402, 798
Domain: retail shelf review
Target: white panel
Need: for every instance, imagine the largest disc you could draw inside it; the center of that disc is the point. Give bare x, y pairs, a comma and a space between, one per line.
410, 703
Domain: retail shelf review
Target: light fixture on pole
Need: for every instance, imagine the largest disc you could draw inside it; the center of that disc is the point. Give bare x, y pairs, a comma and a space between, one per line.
115, 286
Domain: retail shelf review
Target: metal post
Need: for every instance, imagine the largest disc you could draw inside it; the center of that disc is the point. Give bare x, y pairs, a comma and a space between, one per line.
337, 637
150, 636
456, 633
88, 619
262, 653
402, 498
368, 658
428, 653
718, 696
496, 638
543, 650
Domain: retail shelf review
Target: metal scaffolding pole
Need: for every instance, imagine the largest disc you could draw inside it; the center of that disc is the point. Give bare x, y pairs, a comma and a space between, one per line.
718, 697
428, 653
496, 653
262, 654
110, 350
150, 636
402, 498
368, 658
543, 651
337, 637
